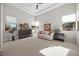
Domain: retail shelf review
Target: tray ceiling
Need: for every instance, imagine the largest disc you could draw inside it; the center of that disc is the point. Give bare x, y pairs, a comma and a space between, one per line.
33, 9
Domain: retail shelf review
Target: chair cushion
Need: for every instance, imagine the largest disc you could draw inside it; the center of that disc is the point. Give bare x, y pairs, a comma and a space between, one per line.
50, 33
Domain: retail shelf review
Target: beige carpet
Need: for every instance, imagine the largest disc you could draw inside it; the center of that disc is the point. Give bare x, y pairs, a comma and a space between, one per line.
31, 47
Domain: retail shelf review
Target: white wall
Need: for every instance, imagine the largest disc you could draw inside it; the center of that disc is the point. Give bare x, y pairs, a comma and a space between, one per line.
77, 37
0, 25
21, 16
70, 36
77, 32
55, 18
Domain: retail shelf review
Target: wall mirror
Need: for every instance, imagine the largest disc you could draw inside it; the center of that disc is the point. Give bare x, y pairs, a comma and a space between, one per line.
11, 23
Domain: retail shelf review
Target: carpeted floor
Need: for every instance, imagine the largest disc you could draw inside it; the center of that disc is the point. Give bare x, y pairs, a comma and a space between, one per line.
31, 47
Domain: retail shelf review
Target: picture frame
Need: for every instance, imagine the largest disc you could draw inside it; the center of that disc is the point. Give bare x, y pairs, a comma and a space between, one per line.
47, 27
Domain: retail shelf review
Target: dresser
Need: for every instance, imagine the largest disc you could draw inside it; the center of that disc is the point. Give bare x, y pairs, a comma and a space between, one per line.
24, 33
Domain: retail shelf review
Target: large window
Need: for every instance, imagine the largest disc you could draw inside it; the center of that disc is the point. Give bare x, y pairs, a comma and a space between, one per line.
69, 22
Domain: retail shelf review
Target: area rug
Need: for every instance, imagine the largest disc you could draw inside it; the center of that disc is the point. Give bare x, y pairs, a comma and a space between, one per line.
55, 51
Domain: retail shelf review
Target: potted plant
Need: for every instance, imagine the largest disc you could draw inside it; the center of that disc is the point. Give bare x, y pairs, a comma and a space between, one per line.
12, 31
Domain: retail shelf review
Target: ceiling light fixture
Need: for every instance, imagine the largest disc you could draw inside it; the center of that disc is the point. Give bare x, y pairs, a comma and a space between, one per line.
37, 5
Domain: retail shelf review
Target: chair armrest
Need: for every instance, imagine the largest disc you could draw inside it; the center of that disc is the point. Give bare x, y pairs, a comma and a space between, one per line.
51, 36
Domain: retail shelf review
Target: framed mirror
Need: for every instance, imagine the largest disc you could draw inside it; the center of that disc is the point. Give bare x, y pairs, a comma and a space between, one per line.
11, 23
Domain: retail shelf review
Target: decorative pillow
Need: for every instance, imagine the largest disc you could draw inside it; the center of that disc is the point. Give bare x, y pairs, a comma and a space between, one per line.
50, 33
41, 32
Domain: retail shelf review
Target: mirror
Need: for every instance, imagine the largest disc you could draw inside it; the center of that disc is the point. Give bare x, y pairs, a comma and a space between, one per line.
11, 23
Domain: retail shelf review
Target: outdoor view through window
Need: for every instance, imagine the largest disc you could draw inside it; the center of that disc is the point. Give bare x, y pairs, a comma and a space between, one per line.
69, 22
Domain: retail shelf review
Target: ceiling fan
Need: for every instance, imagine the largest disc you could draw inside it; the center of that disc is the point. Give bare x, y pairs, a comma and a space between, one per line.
37, 5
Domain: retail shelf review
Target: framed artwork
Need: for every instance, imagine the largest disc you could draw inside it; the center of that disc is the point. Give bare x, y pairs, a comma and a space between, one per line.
47, 27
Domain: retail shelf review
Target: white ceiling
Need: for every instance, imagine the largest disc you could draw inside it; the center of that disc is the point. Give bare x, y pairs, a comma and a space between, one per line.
31, 7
